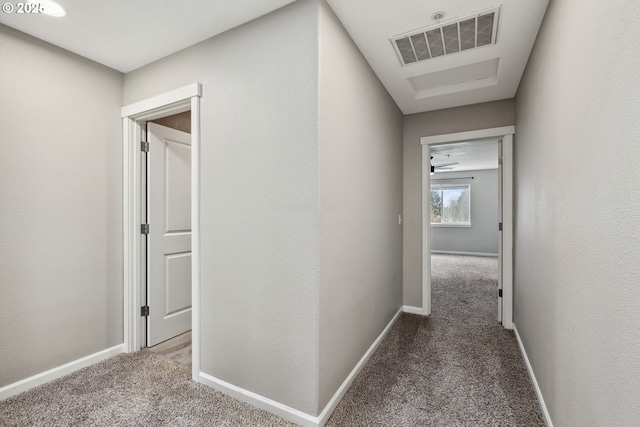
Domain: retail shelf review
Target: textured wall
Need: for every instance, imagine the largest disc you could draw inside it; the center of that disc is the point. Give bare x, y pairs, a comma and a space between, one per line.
461, 119
577, 234
482, 236
60, 207
259, 199
360, 181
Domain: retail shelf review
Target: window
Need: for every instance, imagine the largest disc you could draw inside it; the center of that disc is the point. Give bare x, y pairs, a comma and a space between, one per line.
450, 204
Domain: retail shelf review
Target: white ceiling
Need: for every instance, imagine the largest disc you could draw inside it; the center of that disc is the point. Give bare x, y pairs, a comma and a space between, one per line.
475, 155
372, 23
126, 34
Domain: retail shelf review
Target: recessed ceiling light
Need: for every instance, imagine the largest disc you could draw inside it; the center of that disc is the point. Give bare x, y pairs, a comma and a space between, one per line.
437, 16
50, 7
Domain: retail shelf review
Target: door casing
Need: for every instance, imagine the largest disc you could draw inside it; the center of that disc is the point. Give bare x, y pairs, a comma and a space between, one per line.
506, 248
134, 116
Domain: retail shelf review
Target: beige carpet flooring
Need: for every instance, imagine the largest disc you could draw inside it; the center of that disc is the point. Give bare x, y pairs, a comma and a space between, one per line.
138, 389
456, 368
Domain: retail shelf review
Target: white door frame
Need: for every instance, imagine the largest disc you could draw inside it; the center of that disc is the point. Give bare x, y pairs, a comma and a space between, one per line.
506, 135
133, 117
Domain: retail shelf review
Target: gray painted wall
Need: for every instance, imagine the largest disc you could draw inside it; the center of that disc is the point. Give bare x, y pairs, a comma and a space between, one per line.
482, 236
460, 119
61, 215
577, 223
360, 152
301, 171
259, 203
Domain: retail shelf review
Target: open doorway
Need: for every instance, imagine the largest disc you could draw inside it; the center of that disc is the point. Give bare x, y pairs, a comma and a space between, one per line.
135, 119
464, 215
503, 298
166, 252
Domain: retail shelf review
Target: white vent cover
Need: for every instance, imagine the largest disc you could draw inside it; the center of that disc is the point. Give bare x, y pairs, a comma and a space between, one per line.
452, 36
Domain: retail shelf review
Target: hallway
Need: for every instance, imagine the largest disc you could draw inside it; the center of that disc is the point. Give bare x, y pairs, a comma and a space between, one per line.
458, 367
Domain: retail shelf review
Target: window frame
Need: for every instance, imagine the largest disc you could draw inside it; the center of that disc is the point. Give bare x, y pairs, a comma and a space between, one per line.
442, 187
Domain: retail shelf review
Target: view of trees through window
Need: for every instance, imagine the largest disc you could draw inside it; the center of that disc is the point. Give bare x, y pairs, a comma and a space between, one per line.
450, 204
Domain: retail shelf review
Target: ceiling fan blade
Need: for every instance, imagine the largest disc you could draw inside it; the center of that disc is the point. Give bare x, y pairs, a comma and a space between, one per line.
446, 164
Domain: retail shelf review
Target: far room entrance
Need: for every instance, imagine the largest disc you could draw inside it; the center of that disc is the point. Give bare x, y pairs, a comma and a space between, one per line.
467, 222
464, 230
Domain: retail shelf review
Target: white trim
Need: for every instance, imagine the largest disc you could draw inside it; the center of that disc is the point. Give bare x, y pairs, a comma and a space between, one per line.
131, 234
468, 136
176, 101
506, 135
534, 381
162, 100
331, 406
259, 401
60, 371
195, 237
426, 230
486, 254
507, 231
412, 310
129, 299
286, 412
500, 246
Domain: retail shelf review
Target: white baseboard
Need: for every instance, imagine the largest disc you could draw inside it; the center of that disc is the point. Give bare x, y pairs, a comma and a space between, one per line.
412, 310
286, 412
339, 394
543, 406
259, 401
50, 375
465, 253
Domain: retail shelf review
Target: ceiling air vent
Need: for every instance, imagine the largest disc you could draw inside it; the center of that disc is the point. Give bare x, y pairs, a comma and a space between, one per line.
450, 37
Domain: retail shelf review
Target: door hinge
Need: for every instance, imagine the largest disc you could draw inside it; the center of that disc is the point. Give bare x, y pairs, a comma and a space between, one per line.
499, 294
144, 228
499, 226
144, 311
144, 146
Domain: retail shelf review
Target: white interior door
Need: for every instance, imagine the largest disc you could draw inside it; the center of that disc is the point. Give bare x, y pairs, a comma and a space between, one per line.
169, 239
